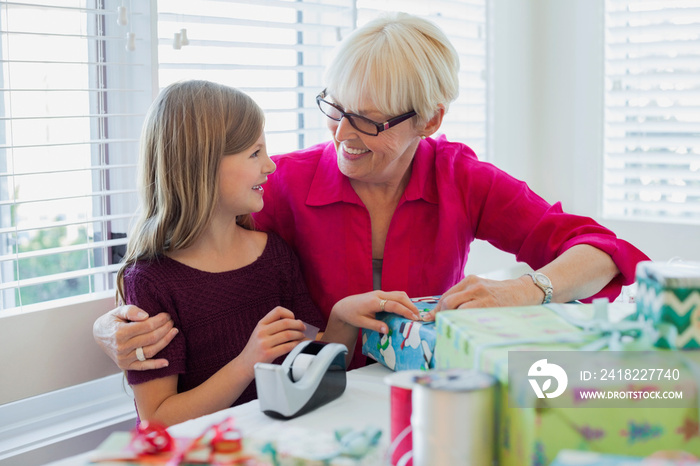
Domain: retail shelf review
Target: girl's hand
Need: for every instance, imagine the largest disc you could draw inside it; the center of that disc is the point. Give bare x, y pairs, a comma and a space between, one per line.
275, 335
360, 310
122, 330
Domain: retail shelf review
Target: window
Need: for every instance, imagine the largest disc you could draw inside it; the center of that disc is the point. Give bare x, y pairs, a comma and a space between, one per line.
652, 110
75, 91
70, 112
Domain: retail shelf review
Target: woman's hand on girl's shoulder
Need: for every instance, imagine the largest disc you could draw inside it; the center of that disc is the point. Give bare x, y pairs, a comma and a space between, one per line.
124, 329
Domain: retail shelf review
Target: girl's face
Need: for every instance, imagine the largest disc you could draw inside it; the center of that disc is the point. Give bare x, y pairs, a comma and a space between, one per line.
241, 177
374, 159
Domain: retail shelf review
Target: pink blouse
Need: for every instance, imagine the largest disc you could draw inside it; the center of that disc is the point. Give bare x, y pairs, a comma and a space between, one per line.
451, 199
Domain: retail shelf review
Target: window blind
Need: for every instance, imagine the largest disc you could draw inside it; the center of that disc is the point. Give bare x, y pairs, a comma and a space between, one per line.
70, 117
276, 52
652, 110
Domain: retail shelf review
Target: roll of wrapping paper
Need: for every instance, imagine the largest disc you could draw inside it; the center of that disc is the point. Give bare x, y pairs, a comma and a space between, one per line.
453, 418
401, 384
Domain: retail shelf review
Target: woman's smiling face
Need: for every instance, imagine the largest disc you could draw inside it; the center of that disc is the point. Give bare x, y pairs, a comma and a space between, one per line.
374, 159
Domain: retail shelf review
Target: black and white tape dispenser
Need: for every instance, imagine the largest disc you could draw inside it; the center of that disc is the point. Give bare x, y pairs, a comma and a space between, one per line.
311, 375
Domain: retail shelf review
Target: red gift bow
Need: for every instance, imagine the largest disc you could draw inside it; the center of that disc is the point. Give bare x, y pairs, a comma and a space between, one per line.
152, 438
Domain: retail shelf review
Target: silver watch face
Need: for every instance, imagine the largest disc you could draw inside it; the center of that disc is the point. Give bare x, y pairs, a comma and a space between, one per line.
543, 279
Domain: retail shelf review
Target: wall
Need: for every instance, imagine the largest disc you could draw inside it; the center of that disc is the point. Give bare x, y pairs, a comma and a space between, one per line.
59, 393
56, 346
552, 137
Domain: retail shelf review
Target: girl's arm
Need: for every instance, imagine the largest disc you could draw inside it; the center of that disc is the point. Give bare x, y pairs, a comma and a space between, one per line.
275, 335
358, 311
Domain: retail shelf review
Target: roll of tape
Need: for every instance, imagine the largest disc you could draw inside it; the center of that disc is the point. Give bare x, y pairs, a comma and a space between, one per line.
300, 364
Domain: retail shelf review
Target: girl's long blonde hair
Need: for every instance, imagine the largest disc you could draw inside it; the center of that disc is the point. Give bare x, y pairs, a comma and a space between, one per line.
188, 129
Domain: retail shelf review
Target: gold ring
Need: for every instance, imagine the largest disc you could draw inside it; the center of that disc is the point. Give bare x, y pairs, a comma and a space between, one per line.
382, 303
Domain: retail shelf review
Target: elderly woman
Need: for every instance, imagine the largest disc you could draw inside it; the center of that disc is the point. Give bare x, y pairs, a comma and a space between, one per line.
385, 207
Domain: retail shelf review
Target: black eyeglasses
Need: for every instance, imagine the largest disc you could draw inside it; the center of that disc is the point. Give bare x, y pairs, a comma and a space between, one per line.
360, 123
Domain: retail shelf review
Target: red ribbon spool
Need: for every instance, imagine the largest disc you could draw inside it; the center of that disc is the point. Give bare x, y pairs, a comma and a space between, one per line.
401, 408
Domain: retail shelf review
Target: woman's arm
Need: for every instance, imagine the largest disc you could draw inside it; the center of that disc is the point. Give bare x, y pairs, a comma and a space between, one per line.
123, 329
275, 335
579, 272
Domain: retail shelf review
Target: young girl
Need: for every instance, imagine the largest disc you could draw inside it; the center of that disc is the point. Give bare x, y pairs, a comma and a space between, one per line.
236, 295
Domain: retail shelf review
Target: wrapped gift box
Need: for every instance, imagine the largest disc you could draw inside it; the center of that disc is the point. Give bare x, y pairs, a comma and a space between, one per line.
669, 295
586, 458
284, 445
409, 344
279, 445
533, 436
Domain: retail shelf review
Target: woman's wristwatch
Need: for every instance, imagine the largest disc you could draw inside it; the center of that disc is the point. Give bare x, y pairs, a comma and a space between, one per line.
543, 283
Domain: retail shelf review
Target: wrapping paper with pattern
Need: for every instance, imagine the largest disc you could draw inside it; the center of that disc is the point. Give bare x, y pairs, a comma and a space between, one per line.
533, 436
587, 458
669, 295
409, 344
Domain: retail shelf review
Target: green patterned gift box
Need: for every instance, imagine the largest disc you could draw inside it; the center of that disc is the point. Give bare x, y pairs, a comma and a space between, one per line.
585, 458
482, 339
669, 296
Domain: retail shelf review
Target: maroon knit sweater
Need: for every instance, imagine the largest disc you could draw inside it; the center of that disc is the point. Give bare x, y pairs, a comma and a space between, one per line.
216, 312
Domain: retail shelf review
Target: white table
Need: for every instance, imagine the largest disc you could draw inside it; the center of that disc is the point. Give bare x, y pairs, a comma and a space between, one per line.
365, 403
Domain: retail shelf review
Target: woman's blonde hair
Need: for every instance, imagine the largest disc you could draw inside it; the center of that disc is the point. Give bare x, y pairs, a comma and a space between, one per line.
398, 62
188, 129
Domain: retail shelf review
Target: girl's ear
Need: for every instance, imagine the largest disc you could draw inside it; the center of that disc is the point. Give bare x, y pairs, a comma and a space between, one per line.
434, 123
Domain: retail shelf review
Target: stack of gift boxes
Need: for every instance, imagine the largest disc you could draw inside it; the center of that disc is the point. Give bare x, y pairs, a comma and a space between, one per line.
665, 320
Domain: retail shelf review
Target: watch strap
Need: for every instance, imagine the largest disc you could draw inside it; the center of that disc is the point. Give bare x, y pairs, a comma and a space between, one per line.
546, 289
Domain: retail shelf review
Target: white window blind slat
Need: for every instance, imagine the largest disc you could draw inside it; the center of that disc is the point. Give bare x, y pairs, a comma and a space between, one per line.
200, 21
652, 110
684, 112
668, 171
688, 160
65, 249
94, 168
59, 197
49, 225
658, 126
656, 211
90, 142
242, 7
92, 272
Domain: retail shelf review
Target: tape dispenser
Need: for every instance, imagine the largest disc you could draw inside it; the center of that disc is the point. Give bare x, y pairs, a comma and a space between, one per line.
311, 375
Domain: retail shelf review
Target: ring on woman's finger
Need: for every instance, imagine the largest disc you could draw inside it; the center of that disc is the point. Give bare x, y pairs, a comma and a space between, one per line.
382, 303
139, 354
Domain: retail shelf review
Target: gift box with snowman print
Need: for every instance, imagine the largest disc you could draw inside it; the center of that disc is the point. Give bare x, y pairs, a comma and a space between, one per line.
408, 345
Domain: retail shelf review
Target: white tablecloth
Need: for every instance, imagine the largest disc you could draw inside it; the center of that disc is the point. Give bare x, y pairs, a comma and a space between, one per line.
365, 403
